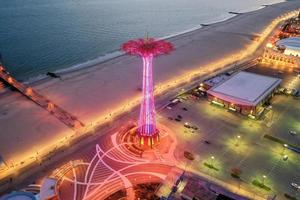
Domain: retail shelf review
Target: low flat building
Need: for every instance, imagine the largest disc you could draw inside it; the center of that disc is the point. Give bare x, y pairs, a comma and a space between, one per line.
244, 92
197, 190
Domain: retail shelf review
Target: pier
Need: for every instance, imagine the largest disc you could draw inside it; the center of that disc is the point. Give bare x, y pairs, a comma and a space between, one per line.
65, 117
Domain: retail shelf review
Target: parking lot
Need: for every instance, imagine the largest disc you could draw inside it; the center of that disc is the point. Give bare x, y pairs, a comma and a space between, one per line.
226, 140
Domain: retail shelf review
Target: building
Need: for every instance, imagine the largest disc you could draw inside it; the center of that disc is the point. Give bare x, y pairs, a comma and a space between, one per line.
290, 46
291, 27
48, 189
244, 92
285, 52
196, 189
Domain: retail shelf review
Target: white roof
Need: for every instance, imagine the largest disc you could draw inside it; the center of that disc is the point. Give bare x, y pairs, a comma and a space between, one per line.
292, 43
48, 188
245, 88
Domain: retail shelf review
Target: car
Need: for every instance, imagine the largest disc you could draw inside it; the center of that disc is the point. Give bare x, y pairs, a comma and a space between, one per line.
295, 185
186, 125
292, 92
289, 91
295, 92
206, 142
185, 109
178, 120
269, 107
189, 155
179, 116
281, 90
292, 132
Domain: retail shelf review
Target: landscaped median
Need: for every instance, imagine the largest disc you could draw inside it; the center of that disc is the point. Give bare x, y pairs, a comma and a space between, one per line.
289, 146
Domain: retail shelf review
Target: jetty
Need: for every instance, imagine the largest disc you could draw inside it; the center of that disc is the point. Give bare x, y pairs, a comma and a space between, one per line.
65, 117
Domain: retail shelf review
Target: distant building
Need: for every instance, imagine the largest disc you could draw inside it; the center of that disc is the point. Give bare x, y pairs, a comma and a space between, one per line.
244, 92
48, 189
291, 27
285, 52
289, 46
197, 190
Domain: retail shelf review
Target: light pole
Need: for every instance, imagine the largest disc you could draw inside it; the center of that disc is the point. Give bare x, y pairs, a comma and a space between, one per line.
285, 146
212, 158
238, 137
263, 180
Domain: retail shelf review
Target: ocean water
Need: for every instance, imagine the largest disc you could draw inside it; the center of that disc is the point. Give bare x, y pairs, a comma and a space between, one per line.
37, 36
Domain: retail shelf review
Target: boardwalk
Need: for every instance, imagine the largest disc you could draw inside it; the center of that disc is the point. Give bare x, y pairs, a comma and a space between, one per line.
65, 117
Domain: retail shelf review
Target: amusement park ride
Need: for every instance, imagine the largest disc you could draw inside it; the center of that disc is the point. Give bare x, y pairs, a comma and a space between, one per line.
147, 48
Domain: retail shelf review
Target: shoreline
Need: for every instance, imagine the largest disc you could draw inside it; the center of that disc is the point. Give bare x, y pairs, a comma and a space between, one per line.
114, 54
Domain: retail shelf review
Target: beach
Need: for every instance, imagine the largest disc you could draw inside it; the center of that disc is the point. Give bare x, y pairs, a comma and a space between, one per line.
99, 93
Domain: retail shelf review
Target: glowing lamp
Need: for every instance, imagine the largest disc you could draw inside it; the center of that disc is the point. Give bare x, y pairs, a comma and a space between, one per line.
269, 45
10, 80
29, 91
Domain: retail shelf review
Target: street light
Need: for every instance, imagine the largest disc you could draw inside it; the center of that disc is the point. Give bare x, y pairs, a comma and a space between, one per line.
264, 178
284, 148
212, 158
238, 137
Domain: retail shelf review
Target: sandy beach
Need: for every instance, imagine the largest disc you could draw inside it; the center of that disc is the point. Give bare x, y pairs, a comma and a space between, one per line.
98, 93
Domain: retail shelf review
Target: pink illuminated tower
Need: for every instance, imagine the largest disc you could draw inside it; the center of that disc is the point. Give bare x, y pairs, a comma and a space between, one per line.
147, 48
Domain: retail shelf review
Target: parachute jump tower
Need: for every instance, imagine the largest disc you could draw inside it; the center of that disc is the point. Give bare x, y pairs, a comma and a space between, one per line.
147, 49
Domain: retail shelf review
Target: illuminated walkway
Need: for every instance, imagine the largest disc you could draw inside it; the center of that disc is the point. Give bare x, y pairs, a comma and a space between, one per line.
111, 167
65, 117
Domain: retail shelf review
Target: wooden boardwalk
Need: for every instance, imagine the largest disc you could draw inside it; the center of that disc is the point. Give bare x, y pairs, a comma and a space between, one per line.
65, 117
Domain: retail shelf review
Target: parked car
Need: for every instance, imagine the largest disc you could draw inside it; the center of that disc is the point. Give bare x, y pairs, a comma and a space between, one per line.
178, 120
206, 142
292, 132
189, 155
295, 185
186, 125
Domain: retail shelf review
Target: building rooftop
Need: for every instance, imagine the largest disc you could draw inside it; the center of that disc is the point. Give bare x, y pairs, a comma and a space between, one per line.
216, 80
245, 88
292, 45
48, 188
